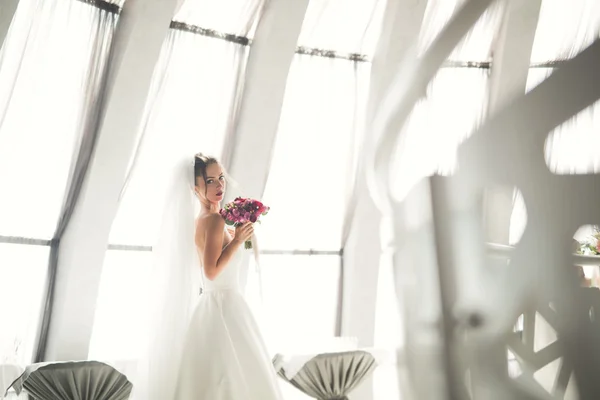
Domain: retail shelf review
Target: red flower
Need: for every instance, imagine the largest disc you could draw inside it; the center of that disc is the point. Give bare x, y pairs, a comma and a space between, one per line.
242, 210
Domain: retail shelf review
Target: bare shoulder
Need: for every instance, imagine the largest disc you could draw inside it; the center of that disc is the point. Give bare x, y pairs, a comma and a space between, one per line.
210, 222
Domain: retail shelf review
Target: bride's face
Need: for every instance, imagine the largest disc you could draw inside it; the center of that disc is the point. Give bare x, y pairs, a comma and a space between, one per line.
214, 187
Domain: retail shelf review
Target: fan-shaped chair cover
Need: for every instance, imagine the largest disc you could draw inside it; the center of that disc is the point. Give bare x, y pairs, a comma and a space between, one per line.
332, 376
84, 380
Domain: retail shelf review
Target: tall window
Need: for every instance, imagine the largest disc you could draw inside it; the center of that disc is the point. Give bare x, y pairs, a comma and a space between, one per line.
51, 65
312, 171
191, 105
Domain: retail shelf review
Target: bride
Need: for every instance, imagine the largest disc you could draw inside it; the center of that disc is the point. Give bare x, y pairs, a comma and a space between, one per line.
213, 350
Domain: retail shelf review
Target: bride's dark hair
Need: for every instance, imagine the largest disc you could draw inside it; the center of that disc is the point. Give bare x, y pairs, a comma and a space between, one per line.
201, 162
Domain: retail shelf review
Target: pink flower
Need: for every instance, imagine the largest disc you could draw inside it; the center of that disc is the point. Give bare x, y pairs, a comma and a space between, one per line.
242, 210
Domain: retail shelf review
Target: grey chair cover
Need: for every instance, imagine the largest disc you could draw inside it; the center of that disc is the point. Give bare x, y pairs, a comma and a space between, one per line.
332, 376
83, 380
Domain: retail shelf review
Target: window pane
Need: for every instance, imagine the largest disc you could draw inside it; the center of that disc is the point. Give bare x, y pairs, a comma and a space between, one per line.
309, 177
236, 17
343, 26
23, 271
477, 44
573, 147
192, 111
565, 28
455, 103
122, 310
300, 298
44, 73
388, 325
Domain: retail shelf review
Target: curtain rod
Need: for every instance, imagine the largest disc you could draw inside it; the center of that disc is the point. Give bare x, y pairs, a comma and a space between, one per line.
310, 51
103, 5
308, 252
24, 240
198, 30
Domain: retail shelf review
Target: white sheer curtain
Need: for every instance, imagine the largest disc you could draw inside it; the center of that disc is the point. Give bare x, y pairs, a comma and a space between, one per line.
389, 329
477, 44
300, 301
22, 277
44, 68
307, 190
235, 17
455, 104
342, 26
574, 146
565, 28
191, 106
51, 67
308, 181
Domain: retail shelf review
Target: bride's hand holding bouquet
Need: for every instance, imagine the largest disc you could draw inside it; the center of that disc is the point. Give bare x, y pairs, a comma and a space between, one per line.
242, 213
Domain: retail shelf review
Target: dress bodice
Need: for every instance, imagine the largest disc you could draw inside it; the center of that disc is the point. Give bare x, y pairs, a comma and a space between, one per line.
228, 279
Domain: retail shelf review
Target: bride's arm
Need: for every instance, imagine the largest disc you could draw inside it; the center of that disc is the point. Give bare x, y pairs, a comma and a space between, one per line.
215, 256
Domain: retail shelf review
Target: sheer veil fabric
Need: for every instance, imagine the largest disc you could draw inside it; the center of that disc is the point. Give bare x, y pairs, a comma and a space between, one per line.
175, 285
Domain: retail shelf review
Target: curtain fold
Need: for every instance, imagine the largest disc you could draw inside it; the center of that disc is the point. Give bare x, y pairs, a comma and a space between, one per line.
321, 122
192, 104
343, 27
455, 104
476, 46
565, 29
52, 72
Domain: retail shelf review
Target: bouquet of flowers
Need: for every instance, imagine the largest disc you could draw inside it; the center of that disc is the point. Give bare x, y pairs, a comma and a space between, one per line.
243, 210
592, 246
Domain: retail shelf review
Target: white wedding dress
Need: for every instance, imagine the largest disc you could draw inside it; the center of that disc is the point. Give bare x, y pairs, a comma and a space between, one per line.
224, 356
